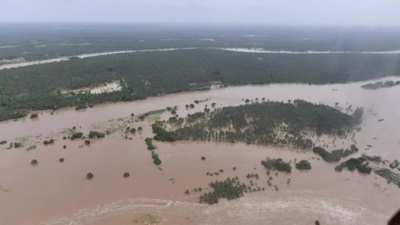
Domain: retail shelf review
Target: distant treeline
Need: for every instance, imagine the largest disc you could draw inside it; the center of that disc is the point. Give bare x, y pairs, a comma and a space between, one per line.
41, 41
156, 73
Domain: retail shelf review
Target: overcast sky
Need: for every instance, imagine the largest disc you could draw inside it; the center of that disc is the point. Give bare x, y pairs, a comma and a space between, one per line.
305, 12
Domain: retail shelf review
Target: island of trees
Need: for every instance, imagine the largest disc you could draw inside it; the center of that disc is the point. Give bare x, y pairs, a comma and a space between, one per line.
257, 123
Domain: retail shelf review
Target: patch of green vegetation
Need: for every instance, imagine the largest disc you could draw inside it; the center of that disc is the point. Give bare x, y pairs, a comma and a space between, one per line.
77, 135
147, 219
34, 162
89, 176
229, 189
34, 115
155, 115
3, 142
87, 142
156, 159
47, 142
390, 176
394, 164
276, 164
61, 160
17, 145
126, 174
149, 142
335, 155
96, 134
257, 123
353, 164
31, 147
303, 165
133, 130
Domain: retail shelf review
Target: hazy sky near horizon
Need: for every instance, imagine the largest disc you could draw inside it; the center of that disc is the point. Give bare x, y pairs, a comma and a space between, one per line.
292, 12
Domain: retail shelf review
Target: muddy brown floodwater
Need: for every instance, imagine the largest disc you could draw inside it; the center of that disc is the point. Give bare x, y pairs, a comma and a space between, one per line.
54, 193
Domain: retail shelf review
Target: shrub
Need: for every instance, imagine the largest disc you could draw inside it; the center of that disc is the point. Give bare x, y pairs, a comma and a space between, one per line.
142, 117
173, 112
203, 158
234, 168
317, 222
17, 144
196, 101
213, 104
3, 142
276, 164
156, 159
149, 143
97, 134
61, 160
87, 142
133, 130
77, 135
64, 147
140, 129
303, 165
126, 174
89, 176
192, 105
34, 115
34, 162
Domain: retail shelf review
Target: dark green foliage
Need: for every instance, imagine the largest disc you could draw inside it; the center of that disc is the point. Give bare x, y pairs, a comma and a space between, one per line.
213, 104
234, 168
388, 175
89, 176
3, 142
195, 116
203, 158
34, 162
133, 130
265, 117
317, 222
173, 119
149, 143
187, 192
77, 135
276, 164
394, 164
192, 105
229, 189
81, 106
140, 129
46, 142
156, 159
173, 112
17, 144
303, 165
374, 158
142, 117
335, 155
34, 115
61, 160
64, 147
196, 101
87, 142
126, 174
97, 134
353, 164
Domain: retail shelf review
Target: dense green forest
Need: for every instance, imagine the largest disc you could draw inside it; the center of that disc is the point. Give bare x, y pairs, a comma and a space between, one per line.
156, 73
41, 41
263, 123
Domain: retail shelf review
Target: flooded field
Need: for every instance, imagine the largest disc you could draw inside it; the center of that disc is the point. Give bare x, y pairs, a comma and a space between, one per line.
55, 193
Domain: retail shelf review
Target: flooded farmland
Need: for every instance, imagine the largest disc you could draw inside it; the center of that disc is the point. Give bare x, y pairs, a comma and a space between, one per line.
55, 193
